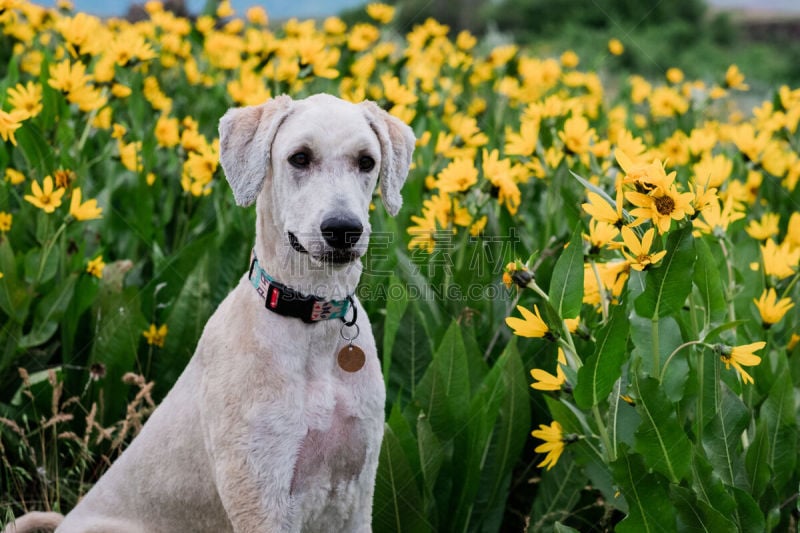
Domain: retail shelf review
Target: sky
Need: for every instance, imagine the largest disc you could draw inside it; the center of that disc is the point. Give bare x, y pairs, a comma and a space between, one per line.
283, 9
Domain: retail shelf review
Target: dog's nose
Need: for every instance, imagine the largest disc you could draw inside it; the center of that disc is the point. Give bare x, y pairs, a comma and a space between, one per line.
341, 232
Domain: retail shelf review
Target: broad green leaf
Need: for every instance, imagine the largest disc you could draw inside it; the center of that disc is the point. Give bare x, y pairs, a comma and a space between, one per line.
603, 368
708, 487
558, 493
566, 285
14, 299
708, 282
49, 310
779, 414
751, 519
660, 438
118, 326
397, 502
757, 460
662, 337
697, 515
396, 306
431, 456
649, 507
411, 357
509, 433
722, 438
668, 285
443, 393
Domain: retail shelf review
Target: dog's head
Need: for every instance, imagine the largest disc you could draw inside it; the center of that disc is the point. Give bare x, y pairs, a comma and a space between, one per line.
315, 163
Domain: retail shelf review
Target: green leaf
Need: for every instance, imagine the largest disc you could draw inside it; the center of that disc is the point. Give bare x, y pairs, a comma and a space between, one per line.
667, 287
697, 515
566, 285
411, 357
708, 487
663, 336
48, 313
779, 415
757, 460
722, 437
508, 435
395, 309
118, 326
557, 494
660, 438
751, 519
443, 393
649, 505
14, 299
603, 368
398, 503
431, 455
708, 282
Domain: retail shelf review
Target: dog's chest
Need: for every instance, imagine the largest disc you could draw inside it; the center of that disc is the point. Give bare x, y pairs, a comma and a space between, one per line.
332, 454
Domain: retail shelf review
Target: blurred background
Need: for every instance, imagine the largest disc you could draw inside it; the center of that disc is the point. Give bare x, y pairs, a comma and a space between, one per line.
700, 37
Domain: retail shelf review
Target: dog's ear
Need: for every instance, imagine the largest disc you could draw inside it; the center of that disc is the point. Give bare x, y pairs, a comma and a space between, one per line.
397, 146
245, 142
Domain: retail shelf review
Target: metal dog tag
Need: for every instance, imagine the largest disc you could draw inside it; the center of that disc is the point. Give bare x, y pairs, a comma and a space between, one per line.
351, 358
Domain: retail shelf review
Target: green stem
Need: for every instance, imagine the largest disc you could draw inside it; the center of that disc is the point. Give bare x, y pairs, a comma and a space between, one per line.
48, 247
611, 453
674, 353
730, 289
603, 295
655, 347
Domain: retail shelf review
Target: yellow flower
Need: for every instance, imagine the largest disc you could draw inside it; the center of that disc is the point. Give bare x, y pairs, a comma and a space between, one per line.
26, 99
423, 232
155, 336
553, 437
9, 123
96, 266
15, 177
641, 257
779, 261
459, 175
738, 356
674, 75
531, 325
715, 218
361, 37
569, 59
765, 228
524, 142
615, 47
5, 221
46, 199
382, 13
577, 136
601, 234
83, 211
662, 206
712, 171
770, 308
601, 210
167, 131
67, 77
734, 79
547, 381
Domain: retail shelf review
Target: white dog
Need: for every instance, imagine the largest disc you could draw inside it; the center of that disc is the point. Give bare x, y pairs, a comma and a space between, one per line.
276, 423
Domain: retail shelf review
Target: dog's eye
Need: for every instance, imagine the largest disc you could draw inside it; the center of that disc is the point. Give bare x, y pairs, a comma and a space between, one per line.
366, 163
300, 160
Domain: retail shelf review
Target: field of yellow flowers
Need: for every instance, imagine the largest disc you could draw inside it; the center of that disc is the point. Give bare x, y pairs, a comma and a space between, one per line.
586, 309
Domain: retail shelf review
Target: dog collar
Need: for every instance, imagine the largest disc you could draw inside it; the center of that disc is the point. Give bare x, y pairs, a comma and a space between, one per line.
286, 301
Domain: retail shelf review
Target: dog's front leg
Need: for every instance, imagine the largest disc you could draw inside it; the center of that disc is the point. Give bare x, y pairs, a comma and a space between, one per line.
252, 445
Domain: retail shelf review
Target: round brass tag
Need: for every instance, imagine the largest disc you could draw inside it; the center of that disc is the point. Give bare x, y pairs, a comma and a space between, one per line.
351, 358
